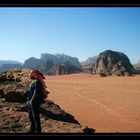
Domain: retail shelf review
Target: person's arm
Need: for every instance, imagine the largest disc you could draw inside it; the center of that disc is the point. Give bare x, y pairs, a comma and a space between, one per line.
36, 92
33, 97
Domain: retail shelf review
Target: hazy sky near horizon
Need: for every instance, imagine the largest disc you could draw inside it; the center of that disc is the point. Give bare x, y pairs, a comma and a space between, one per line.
76, 31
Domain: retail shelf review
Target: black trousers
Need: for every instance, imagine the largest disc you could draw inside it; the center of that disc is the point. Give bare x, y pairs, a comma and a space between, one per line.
33, 110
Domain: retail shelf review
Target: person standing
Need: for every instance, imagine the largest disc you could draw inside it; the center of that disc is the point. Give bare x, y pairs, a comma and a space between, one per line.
37, 88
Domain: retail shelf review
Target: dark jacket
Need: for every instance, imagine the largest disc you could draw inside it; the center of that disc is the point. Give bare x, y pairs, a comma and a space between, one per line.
35, 87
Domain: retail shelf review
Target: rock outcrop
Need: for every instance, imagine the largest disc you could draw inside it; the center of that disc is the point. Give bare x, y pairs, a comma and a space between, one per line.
13, 84
13, 108
113, 63
88, 66
62, 69
88, 69
14, 120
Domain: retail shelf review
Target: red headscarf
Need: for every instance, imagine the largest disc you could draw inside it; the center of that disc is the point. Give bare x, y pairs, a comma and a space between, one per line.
39, 76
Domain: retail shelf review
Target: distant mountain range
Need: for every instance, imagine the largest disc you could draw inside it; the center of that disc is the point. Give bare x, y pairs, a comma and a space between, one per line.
43, 64
137, 66
60, 58
47, 58
48, 61
9, 62
90, 61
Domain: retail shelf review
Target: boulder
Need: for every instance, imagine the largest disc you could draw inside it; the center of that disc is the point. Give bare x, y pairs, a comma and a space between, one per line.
113, 63
14, 84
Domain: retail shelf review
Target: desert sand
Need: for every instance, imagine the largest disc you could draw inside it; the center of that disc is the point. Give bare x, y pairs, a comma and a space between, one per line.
108, 104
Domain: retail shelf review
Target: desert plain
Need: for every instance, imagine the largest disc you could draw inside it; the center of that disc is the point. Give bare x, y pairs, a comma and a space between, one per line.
107, 104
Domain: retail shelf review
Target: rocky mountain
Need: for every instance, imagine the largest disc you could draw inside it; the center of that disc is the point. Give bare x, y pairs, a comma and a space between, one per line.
60, 59
47, 61
109, 63
113, 63
137, 66
90, 61
9, 62
45, 66
6, 67
14, 117
62, 69
32, 62
88, 66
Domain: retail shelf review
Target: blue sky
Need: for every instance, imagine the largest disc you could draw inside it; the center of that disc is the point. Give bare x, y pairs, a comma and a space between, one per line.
76, 31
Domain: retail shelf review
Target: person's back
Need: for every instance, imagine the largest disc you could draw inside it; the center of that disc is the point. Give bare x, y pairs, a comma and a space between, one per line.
35, 98
36, 87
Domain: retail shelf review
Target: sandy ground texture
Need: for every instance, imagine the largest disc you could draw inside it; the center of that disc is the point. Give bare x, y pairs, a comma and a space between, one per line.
108, 104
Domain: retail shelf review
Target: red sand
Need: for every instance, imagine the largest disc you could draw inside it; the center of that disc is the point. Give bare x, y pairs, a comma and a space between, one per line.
109, 104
